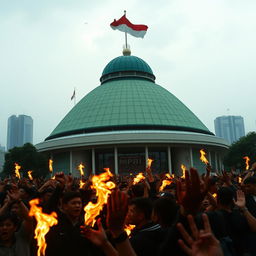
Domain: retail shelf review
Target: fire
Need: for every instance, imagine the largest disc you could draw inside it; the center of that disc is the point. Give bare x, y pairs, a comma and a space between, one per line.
103, 188
214, 195
44, 222
50, 165
166, 182
202, 157
53, 178
30, 175
128, 229
150, 162
81, 169
139, 177
168, 176
183, 168
247, 161
240, 180
17, 170
81, 184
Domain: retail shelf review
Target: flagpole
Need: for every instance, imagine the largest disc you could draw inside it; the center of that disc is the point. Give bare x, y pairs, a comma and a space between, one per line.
125, 33
75, 96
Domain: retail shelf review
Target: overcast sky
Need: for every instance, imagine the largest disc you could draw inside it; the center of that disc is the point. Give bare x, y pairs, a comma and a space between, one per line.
203, 51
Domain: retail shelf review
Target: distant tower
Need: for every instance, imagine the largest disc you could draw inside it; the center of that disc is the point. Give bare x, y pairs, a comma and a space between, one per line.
230, 128
20, 131
2, 154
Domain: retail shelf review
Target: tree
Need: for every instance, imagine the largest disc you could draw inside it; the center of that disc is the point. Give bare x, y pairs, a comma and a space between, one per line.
28, 158
245, 146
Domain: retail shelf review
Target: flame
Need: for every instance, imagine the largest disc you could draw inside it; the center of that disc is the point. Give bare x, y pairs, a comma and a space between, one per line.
81, 184
166, 182
247, 161
240, 180
50, 165
44, 222
128, 229
30, 175
214, 195
53, 178
202, 157
167, 175
81, 169
139, 177
103, 189
149, 162
183, 168
17, 170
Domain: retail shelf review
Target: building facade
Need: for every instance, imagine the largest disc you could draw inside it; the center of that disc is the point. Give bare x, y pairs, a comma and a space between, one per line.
19, 131
230, 128
127, 119
2, 157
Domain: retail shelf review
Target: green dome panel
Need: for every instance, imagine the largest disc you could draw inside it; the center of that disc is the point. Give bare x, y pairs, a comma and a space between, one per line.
128, 103
127, 63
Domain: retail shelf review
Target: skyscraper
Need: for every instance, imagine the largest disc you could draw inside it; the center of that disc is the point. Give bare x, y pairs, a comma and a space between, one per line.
20, 131
230, 128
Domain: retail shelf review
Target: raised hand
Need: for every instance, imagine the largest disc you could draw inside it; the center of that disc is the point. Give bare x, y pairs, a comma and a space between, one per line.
191, 198
200, 243
97, 237
117, 208
240, 199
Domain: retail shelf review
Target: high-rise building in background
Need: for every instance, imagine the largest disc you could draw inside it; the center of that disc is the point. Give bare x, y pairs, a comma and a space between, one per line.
230, 128
20, 131
2, 153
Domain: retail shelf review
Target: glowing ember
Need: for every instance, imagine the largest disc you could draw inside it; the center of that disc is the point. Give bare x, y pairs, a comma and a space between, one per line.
81, 169
240, 180
183, 168
17, 170
139, 177
53, 178
103, 188
30, 175
44, 222
128, 229
247, 161
202, 157
50, 165
214, 195
81, 184
149, 162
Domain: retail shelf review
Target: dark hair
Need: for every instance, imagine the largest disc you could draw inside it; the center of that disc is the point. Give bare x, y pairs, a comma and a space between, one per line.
250, 180
10, 216
137, 190
144, 205
69, 196
166, 210
225, 196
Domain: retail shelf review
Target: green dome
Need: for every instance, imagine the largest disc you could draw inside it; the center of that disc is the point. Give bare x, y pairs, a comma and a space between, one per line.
127, 63
128, 104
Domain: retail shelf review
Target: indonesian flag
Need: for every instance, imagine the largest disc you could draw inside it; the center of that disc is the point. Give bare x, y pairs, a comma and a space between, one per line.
124, 25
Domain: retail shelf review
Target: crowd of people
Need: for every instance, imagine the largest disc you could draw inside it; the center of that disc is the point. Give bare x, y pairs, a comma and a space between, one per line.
213, 214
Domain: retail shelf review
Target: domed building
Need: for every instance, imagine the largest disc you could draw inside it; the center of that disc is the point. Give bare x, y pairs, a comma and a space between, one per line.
127, 119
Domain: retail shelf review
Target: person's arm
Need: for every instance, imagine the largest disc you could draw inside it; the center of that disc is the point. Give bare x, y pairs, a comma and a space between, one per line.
240, 203
99, 238
201, 242
116, 212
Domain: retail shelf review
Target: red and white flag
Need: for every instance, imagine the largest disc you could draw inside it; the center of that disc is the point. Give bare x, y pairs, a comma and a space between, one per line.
124, 25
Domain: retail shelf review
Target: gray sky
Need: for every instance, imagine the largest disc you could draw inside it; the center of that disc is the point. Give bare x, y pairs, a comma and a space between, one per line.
202, 51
